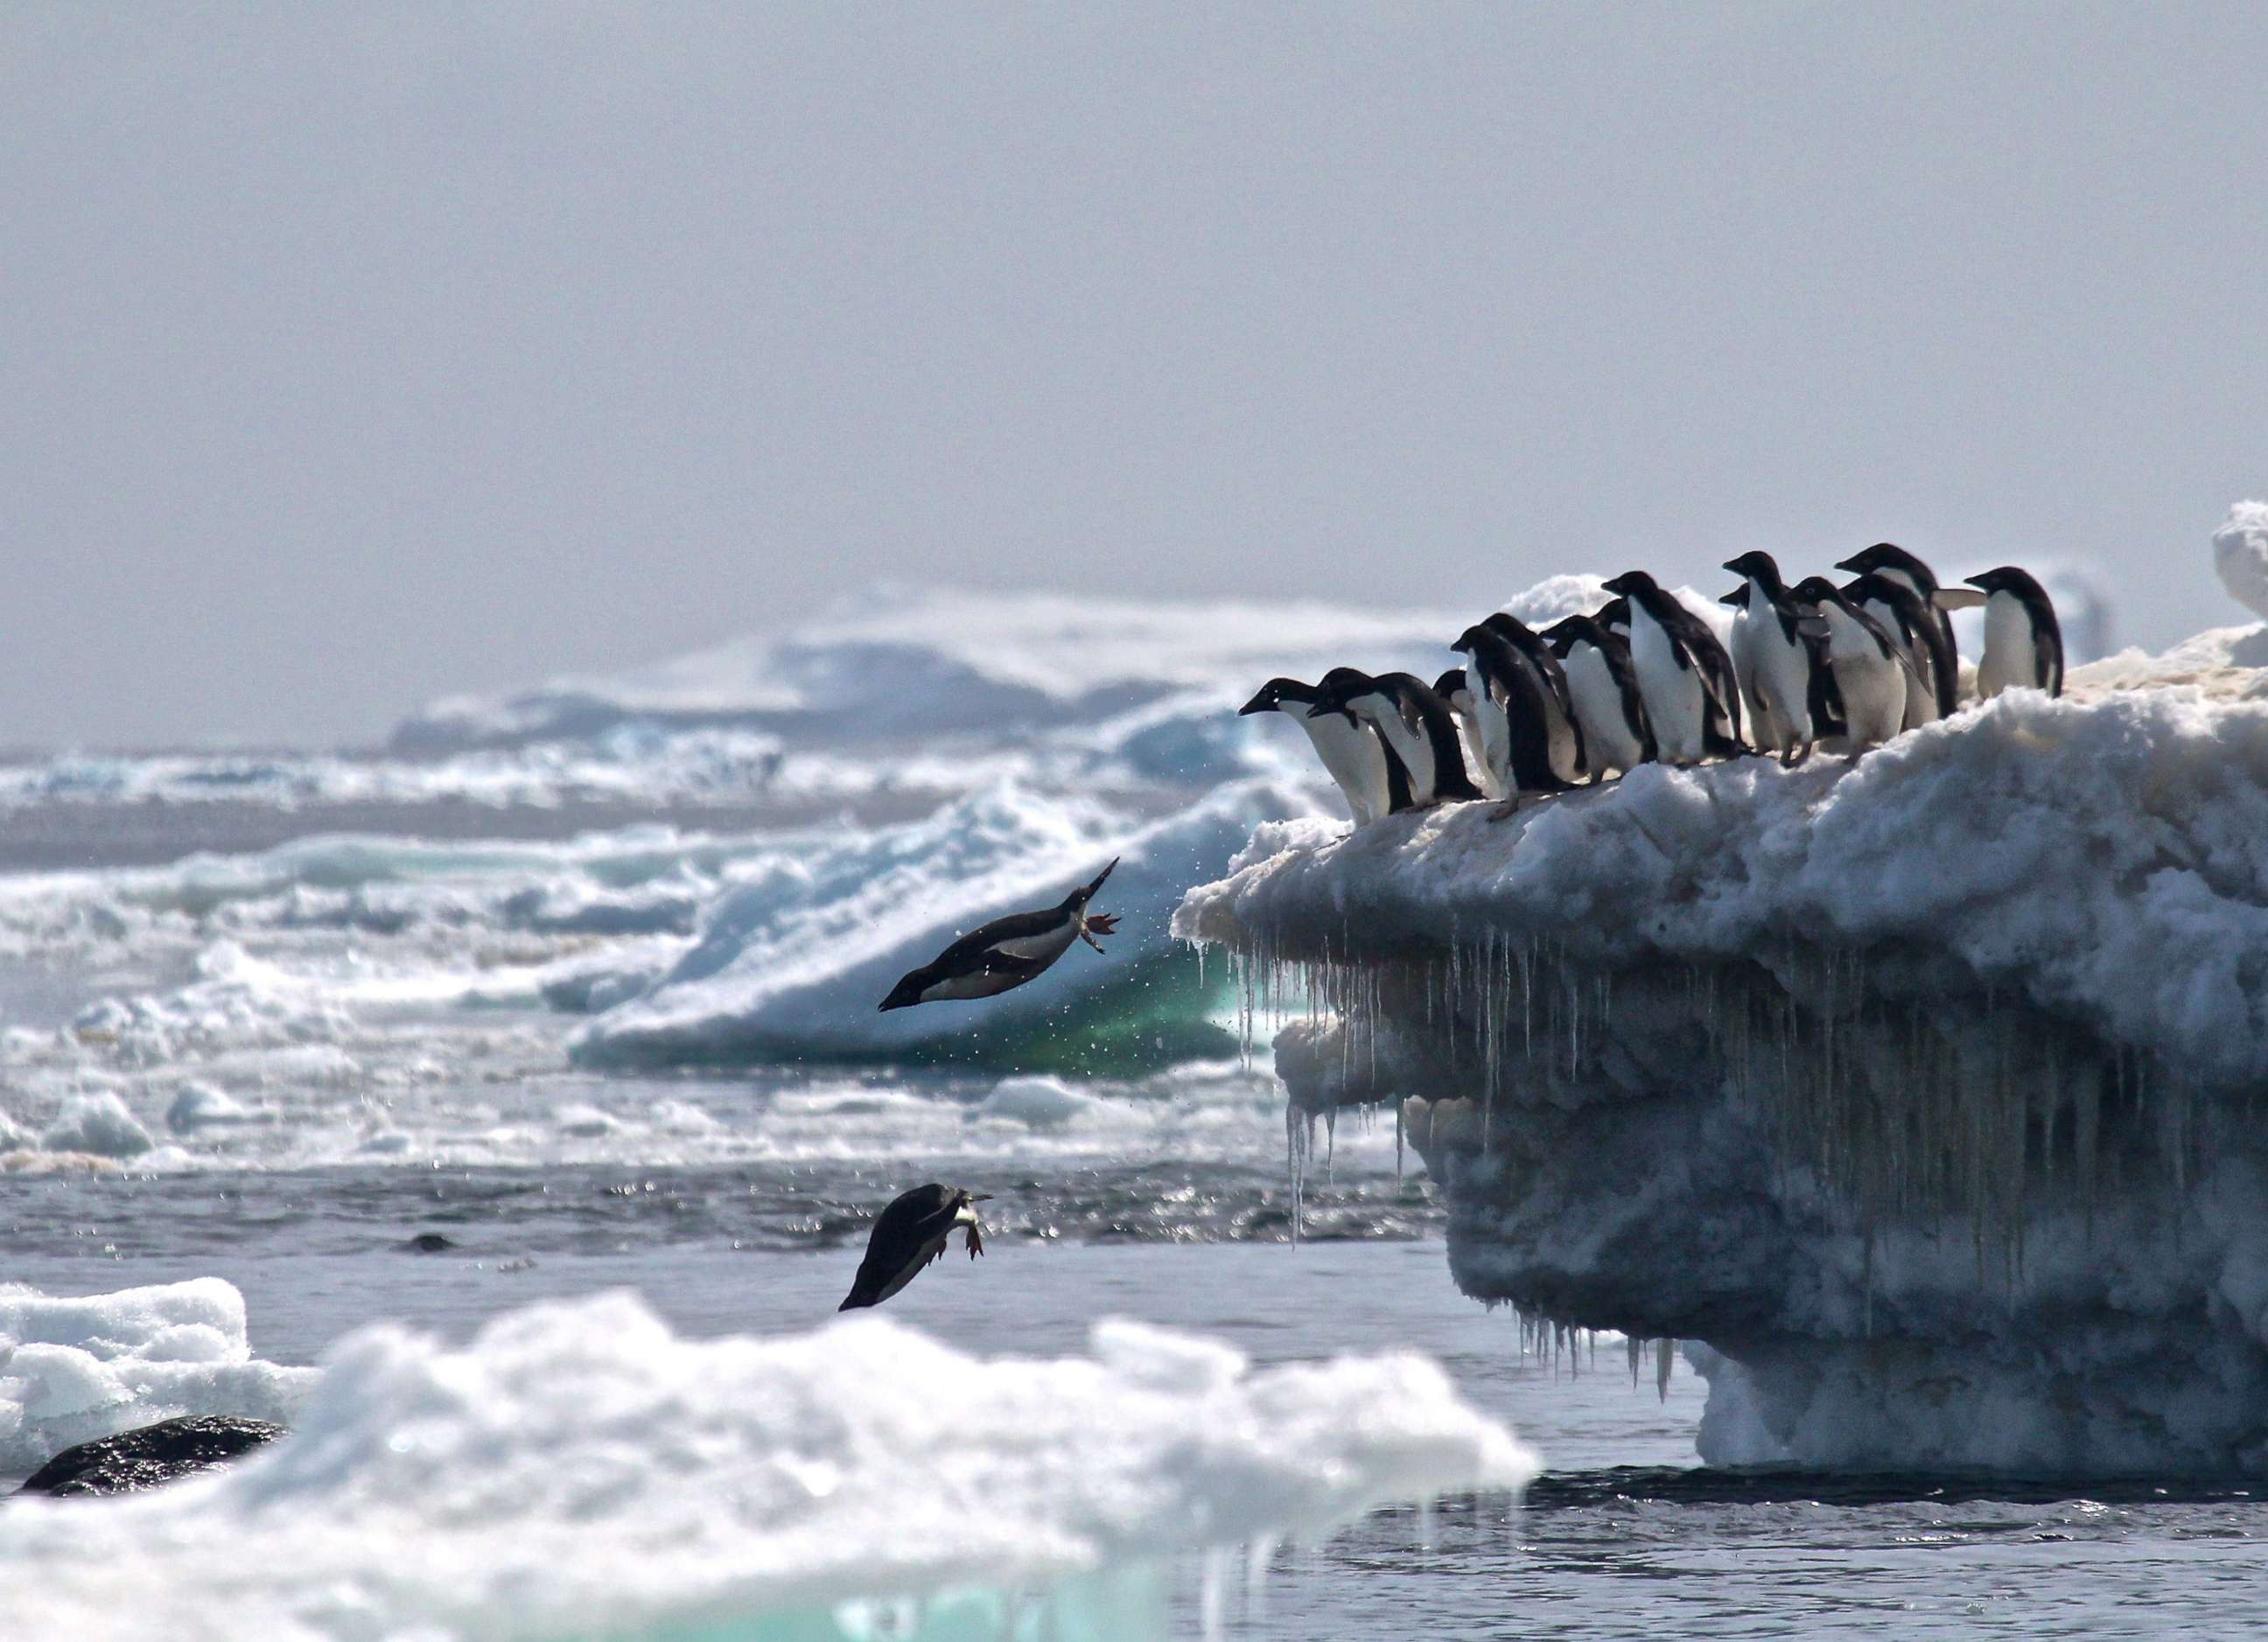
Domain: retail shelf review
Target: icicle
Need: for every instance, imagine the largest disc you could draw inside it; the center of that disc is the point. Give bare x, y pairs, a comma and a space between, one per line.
1665, 1358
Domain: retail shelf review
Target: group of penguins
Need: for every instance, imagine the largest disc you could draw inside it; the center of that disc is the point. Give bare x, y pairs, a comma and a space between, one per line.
1644, 678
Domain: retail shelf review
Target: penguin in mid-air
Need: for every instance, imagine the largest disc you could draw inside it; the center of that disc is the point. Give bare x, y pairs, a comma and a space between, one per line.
909, 1234
1512, 724
1889, 560
1413, 721
1918, 628
2023, 641
1870, 670
1692, 699
1562, 734
1005, 953
1455, 687
1774, 659
1603, 690
1366, 771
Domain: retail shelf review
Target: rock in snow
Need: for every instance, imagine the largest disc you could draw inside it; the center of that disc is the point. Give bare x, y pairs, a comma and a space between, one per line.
150, 1455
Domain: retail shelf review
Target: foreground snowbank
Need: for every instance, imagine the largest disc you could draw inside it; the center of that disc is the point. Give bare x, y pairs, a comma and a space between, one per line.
1918, 1089
75, 1369
579, 1470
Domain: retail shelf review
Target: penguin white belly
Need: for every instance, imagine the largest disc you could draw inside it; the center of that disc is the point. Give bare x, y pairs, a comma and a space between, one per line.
1921, 692
1598, 703
1046, 947
1353, 758
1494, 733
975, 984
1871, 684
1468, 732
1776, 677
1416, 751
1674, 698
2009, 663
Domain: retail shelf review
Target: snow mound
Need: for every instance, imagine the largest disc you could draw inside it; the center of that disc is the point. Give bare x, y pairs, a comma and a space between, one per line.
75, 1369
2240, 553
98, 1126
578, 1469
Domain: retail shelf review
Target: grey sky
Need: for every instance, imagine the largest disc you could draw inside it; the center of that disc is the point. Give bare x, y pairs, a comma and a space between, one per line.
353, 355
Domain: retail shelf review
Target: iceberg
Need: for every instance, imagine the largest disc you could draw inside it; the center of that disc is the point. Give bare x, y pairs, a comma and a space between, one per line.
579, 1469
1918, 1094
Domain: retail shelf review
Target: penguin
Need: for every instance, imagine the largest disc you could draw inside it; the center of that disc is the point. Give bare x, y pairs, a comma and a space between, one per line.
1564, 735
909, 1234
1774, 659
1916, 625
1870, 670
1351, 753
1005, 953
1614, 616
1456, 689
1603, 690
1692, 699
1887, 559
1413, 722
2023, 641
1509, 712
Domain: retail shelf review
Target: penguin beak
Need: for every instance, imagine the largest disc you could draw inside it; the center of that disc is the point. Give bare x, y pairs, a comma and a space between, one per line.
1094, 888
1850, 564
1258, 704
980, 1197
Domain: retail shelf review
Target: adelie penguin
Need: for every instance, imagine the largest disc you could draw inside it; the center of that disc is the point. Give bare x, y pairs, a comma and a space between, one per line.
1773, 658
1455, 687
1692, 699
1512, 717
1564, 735
1603, 690
909, 1234
1367, 773
1894, 563
2023, 641
1870, 670
1005, 953
1415, 725
1918, 626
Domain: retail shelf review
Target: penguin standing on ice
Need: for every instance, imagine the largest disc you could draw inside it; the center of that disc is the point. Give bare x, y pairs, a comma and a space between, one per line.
1562, 734
909, 1234
1774, 659
1692, 699
1603, 691
2023, 641
1510, 713
1894, 563
1870, 670
1366, 771
1455, 687
1415, 724
1005, 953
1918, 626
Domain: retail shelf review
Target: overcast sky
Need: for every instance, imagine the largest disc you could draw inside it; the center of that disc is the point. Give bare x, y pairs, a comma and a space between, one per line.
353, 355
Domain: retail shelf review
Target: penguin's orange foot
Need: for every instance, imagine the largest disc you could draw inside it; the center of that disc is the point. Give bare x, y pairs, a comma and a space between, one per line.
1102, 923
975, 1241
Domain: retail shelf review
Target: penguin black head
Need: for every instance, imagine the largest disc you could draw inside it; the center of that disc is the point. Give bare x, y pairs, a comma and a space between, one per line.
1885, 555
1756, 566
2009, 579
1337, 688
1613, 612
1465, 642
1452, 684
1818, 590
911, 985
1271, 696
1563, 633
1079, 897
1631, 581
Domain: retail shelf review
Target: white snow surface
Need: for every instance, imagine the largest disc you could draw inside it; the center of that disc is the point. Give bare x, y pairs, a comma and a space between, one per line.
2240, 553
579, 1470
72, 1370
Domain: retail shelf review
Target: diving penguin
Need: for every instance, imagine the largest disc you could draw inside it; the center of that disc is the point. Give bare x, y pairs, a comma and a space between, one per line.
1870, 670
2023, 641
1889, 560
909, 1234
1692, 699
1351, 753
1773, 659
1603, 691
1005, 953
1415, 725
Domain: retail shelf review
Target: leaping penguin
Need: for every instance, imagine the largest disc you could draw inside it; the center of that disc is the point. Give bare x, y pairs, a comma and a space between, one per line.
2023, 641
1564, 735
1774, 660
1603, 690
1870, 670
1413, 721
1512, 720
1692, 699
1351, 753
1918, 626
909, 1234
1889, 560
1005, 953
